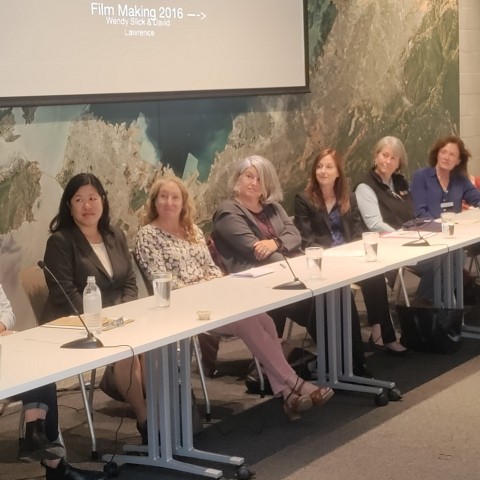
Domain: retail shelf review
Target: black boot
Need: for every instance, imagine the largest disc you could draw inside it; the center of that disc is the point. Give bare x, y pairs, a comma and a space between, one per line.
35, 446
64, 471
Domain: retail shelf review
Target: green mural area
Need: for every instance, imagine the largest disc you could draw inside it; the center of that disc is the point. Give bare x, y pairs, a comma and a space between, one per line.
375, 69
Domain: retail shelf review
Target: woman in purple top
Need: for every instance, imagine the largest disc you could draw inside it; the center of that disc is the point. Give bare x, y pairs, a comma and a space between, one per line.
445, 184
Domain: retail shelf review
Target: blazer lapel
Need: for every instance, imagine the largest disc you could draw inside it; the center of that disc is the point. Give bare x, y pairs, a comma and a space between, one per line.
84, 246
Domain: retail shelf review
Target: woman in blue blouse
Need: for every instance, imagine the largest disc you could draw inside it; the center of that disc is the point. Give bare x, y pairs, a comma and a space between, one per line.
443, 185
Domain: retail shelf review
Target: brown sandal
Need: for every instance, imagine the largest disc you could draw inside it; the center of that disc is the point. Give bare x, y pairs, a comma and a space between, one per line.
321, 396
296, 403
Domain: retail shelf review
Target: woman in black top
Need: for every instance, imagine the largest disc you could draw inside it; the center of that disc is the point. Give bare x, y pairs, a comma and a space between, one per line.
327, 215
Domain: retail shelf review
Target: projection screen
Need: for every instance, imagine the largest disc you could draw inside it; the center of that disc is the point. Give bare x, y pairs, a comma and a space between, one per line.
78, 51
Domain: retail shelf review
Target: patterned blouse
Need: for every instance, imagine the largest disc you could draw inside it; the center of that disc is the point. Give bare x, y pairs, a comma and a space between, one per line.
158, 251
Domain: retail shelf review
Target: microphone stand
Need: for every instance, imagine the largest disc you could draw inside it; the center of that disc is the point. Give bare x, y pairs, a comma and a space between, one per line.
294, 284
90, 341
420, 242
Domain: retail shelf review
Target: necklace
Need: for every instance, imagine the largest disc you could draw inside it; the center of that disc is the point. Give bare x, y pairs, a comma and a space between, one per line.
177, 231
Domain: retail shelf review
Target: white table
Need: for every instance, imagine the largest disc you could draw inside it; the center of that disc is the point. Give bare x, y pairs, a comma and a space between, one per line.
156, 332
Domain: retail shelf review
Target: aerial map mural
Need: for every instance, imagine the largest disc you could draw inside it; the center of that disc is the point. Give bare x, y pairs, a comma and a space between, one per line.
376, 68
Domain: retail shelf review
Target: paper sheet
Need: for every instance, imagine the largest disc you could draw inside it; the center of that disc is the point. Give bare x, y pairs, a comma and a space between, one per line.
254, 272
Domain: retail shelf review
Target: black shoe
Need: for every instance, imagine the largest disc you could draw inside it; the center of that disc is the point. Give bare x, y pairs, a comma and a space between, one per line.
376, 346
399, 353
143, 430
36, 447
64, 471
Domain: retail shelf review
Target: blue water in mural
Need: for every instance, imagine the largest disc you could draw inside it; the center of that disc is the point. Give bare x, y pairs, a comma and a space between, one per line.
178, 128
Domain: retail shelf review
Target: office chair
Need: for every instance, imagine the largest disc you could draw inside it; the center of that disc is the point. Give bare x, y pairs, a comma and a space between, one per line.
35, 286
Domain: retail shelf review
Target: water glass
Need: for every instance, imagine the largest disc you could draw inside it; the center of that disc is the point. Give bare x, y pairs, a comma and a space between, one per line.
370, 244
162, 284
314, 261
448, 224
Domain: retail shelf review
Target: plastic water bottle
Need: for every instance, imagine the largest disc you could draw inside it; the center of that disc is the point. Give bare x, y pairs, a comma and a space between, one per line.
92, 306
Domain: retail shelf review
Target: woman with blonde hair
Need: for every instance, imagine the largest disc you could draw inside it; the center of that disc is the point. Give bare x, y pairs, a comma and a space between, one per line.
171, 242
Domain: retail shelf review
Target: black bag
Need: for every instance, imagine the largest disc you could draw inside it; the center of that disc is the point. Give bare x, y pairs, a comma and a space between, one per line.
432, 330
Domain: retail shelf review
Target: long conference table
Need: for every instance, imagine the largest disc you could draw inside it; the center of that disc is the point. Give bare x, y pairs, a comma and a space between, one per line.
33, 358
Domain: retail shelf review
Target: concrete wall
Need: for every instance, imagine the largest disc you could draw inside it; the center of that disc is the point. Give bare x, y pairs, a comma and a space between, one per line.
469, 47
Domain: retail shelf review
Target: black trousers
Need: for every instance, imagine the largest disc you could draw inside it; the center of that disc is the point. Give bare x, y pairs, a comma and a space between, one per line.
46, 395
374, 291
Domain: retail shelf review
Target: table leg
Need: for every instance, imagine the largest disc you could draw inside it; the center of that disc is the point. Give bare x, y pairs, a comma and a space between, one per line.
339, 374
183, 441
162, 416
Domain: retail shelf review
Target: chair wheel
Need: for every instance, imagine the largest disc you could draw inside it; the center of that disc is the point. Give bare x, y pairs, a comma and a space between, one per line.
381, 399
244, 473
110, 469
394, 395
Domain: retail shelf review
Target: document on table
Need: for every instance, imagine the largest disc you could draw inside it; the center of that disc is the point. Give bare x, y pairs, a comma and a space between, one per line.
254, 272
413, 234
73, 321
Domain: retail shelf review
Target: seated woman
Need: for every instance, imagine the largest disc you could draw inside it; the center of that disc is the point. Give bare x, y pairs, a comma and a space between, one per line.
441, 187
171, 242
40, 407
84, 243
327, 215
383, 195
445, 184
253, 229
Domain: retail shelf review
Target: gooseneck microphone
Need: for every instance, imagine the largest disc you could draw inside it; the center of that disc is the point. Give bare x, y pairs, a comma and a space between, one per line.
90, 341
415, 224
294, 284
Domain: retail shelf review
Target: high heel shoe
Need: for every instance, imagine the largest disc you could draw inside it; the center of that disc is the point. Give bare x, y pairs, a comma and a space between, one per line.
321, 396
296, 403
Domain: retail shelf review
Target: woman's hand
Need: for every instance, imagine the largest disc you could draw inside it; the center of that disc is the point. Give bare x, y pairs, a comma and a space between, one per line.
264, 248
7, 332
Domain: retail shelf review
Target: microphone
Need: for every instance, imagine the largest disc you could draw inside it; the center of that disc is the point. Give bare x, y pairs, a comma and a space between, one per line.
420, 242
90, 341
294, 284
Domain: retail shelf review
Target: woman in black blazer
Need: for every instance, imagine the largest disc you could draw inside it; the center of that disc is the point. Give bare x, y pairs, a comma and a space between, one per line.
83, 243
326, 214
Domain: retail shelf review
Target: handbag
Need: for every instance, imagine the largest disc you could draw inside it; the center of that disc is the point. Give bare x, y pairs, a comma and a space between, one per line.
431, 330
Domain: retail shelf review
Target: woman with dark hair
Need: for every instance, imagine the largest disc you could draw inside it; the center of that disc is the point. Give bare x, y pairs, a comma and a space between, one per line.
326, 214
83, 243
443, 185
